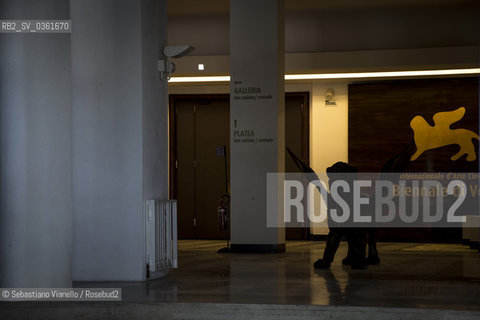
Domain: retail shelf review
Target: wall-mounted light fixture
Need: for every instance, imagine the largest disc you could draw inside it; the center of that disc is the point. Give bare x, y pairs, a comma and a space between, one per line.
330, 97
165, 66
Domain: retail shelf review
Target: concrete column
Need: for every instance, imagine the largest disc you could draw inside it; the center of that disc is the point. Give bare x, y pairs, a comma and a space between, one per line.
257, 99
154, 102
35, 154
120, 133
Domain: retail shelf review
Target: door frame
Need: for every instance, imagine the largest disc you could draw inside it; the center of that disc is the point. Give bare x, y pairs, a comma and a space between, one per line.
172, 139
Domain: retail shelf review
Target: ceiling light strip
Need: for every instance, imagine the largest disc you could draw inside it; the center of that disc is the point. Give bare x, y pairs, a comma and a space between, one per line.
388, 74
329, 76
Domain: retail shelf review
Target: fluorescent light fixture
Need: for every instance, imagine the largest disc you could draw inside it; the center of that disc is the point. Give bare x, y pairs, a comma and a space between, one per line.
201, 66
357, 75
388, 74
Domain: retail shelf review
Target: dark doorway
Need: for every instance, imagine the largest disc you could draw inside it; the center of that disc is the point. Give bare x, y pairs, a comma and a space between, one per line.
199, 128
296, 138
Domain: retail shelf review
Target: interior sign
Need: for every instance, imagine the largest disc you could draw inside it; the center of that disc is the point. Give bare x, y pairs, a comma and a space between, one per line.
249, 93
220, 151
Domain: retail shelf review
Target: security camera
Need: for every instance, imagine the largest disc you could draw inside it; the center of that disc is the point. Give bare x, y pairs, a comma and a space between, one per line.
165, 66
177, 51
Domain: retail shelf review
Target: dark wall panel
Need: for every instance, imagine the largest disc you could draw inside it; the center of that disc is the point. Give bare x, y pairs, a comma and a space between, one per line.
380, 114
379, 128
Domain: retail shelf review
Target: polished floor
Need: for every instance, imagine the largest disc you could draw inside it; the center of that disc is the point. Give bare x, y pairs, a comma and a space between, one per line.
436, 276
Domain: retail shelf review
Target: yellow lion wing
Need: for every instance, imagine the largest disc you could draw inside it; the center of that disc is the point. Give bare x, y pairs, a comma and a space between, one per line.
447, 118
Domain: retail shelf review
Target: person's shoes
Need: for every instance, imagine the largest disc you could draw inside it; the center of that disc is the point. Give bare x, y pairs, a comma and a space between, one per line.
321, 264
347, 261
373, 260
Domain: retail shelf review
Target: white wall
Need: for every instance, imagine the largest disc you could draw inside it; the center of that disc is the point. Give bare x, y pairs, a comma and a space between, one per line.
36, 153
328, 131
328, 126
154, 107
119, 131
106, 70
154, 102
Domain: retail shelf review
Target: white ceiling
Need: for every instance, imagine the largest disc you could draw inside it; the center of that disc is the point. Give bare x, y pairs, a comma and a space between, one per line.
209, 7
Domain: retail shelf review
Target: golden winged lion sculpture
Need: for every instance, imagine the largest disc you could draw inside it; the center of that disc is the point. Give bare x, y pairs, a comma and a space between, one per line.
429, 137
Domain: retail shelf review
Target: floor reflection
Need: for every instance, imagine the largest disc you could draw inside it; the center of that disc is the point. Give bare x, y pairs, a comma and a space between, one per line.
411, 275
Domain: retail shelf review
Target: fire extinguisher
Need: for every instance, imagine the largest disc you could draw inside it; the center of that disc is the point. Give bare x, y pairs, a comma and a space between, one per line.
222, 214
